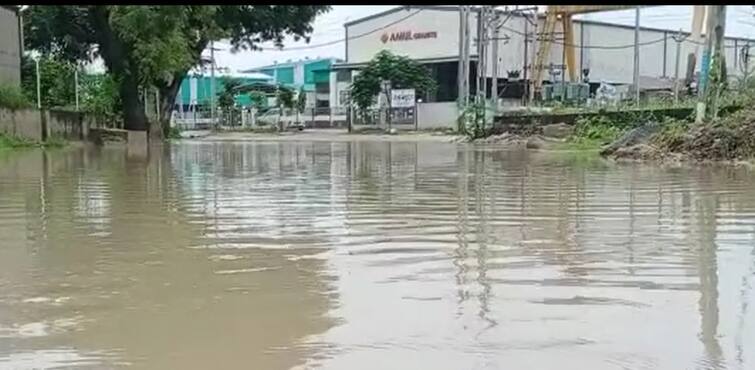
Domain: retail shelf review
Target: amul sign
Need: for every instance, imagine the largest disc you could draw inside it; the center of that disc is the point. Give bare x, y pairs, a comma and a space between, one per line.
407, 36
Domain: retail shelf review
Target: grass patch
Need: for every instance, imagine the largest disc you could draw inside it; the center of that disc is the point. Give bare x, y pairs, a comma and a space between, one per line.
591, 133
15, 142
173, 133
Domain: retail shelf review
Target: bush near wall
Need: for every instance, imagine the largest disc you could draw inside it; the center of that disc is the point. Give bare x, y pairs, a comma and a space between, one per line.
12, 97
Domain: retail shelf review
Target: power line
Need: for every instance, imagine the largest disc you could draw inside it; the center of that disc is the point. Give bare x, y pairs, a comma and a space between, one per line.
592, 46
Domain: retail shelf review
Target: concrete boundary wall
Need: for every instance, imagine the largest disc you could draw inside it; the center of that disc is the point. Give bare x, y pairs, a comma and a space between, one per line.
437, 115
39, 125
26, 123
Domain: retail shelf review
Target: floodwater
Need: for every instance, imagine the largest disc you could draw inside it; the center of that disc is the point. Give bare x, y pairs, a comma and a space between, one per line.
371, 255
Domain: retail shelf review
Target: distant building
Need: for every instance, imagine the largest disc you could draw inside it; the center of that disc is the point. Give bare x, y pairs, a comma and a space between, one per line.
311, 75
10, 45
195, 90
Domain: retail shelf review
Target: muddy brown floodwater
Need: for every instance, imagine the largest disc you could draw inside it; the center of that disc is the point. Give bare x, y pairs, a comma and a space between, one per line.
371, 255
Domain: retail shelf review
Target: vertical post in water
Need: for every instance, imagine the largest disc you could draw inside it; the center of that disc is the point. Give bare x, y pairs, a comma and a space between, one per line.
636, 78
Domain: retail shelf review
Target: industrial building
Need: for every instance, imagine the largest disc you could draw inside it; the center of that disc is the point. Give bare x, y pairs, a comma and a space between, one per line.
310, 75
430, 35
195, 89
11, 45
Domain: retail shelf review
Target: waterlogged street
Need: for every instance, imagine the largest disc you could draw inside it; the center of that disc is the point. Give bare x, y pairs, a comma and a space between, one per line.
371, 255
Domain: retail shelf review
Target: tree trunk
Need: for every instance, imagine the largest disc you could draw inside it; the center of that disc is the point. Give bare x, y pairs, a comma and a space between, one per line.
134, 117
114, 54
167, 100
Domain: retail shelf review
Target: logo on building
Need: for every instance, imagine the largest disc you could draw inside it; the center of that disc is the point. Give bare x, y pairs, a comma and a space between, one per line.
407, 36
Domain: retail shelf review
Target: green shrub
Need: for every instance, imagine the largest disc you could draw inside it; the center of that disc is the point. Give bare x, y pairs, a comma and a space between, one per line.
12, 97
173, 133
598, 130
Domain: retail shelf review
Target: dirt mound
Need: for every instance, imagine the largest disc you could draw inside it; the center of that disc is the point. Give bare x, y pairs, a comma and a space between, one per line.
727, 139
724, 141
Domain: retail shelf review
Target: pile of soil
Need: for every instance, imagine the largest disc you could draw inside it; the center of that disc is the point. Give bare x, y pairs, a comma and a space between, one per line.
728, 139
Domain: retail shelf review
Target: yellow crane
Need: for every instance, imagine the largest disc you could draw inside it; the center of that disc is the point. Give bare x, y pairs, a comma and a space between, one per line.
564, 13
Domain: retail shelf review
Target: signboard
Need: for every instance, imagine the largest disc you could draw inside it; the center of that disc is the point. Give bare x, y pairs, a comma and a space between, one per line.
402, 98
407, 36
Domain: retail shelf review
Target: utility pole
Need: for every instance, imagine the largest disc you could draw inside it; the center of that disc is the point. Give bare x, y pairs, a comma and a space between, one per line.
678, 37
526, 94
711, 73
480, 54
636, 79
462, 44
467, 62
494, 62
463, 56
212, 83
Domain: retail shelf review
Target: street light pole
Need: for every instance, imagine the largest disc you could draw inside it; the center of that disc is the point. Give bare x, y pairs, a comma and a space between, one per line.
76, 82
39, 88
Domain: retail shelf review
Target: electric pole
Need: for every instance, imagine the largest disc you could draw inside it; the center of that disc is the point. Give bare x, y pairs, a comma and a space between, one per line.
463, 55
712, 56
460, 68
212, 83
480, 53
636, 78
494, 62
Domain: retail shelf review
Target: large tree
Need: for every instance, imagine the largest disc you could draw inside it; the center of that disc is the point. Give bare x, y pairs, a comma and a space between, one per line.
155, 46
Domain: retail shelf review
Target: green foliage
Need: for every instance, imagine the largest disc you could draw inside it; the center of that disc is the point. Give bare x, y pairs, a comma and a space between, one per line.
285, 97
99, 95
472, 121
173, 133
591, 132
402, 72
155, 45
17, 142
12, 97
258, 99
13, 142
56, 78
226, 97
301, 101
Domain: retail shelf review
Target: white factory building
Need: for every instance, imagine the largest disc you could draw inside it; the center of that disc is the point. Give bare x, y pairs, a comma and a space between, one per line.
430, 35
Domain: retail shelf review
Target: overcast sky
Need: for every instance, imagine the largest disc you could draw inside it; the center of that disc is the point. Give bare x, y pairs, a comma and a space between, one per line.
328, 28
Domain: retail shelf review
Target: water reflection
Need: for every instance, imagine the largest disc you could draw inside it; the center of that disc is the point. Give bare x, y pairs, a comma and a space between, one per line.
371, 255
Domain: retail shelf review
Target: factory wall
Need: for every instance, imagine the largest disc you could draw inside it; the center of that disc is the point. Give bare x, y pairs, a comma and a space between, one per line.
436, 31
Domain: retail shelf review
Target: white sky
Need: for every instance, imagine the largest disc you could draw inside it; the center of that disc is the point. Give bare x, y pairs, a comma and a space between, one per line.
328, 27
